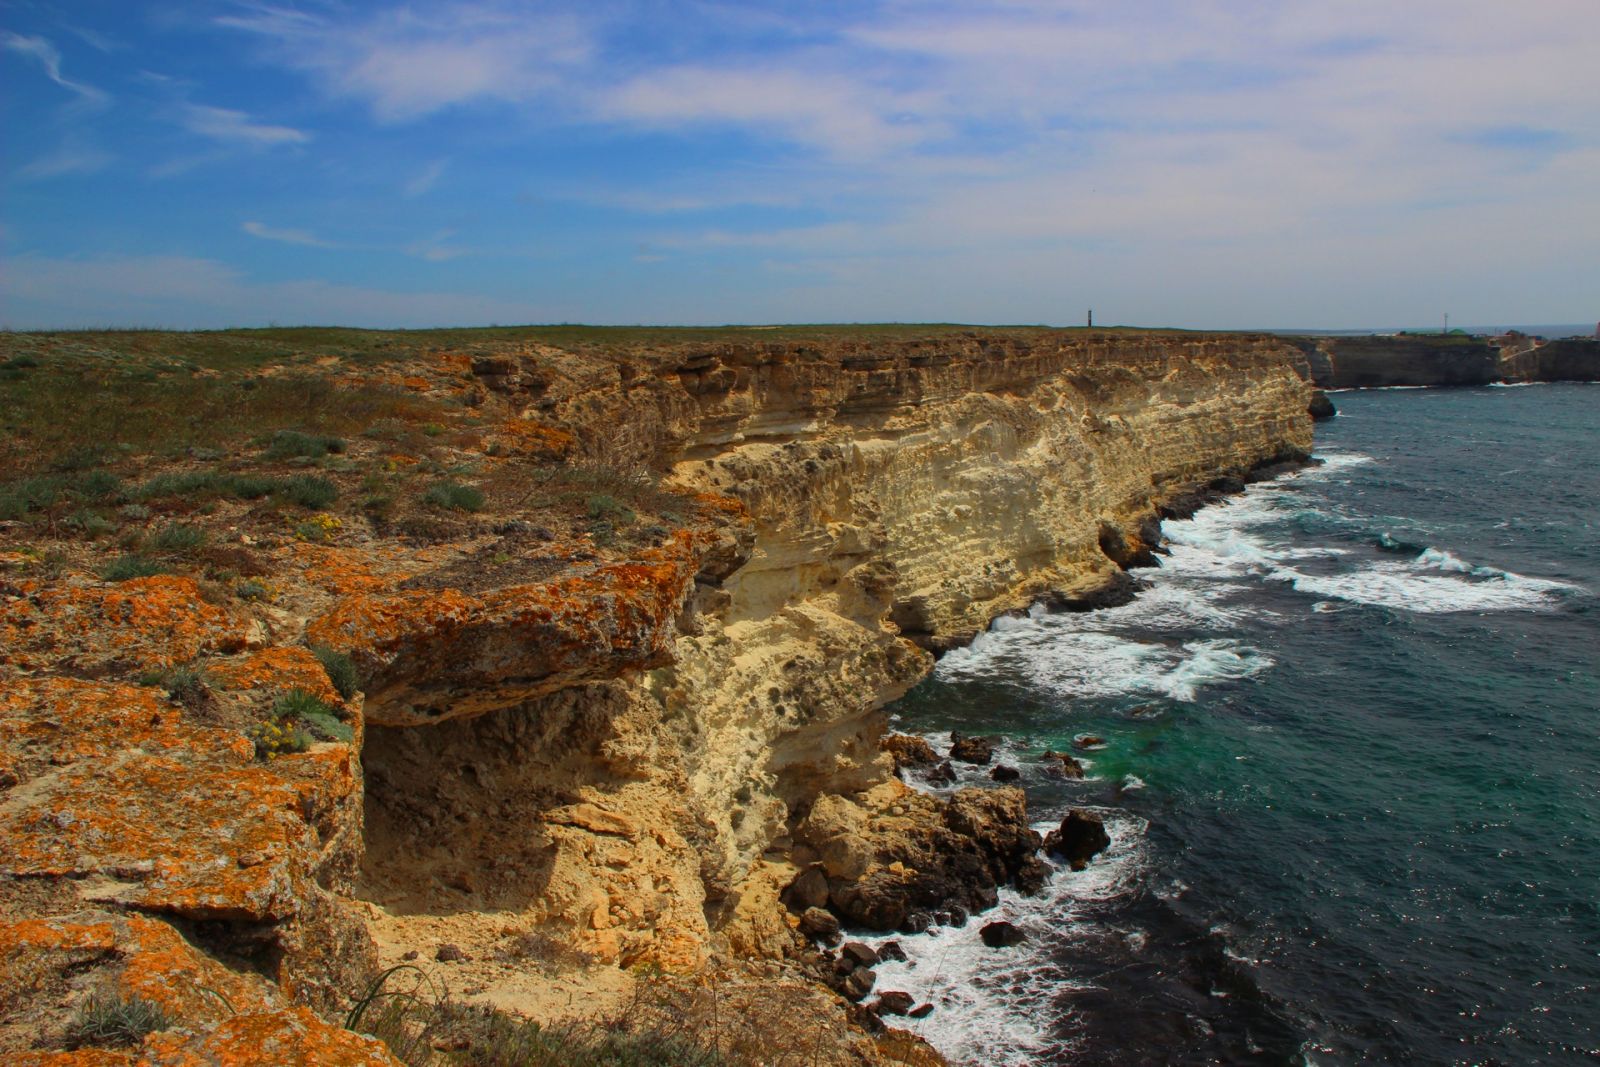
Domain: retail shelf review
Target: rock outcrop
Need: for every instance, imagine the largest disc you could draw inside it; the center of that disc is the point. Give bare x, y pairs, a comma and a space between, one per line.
1364, 362
662, 750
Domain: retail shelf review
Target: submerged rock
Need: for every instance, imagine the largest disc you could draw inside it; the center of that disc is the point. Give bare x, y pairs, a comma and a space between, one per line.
1321, 407
1003, 773
965, 749
1002, 934
909, 751
1063, 764
891, 952
858, 954
894, 1002
1081, 837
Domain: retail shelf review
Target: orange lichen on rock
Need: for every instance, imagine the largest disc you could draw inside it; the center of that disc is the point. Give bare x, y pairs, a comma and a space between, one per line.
83, 1057
523, 437
145, 622
432, 654
53, 722
219, 1015
156, 812
276, 669
290, 1038
212, 840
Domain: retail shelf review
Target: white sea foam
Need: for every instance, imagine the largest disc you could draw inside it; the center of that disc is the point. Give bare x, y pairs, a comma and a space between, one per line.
1408, 587
993, 1006
1081, 663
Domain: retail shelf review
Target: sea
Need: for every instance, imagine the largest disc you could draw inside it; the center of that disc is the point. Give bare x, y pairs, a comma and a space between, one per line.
1347, 747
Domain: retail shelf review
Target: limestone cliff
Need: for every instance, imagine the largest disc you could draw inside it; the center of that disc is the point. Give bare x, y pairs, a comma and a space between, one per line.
1364, 362
612, 743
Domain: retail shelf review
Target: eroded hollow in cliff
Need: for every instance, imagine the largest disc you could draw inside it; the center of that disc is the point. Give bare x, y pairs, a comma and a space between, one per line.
452, 818
457, 811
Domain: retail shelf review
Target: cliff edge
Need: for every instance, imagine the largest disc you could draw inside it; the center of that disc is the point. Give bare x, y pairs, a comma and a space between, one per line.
552, 672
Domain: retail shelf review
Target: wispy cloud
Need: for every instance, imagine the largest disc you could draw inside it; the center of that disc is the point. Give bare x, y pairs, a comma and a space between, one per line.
839, 115
49, 57
425, 179
407, 63
194, 292
69, 159
291, 237
237, 127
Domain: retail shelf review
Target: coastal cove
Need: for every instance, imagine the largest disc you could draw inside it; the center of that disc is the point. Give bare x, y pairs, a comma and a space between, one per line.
1345, 746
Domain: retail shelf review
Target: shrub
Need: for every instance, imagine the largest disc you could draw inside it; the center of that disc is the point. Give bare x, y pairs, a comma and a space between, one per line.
176, 539
274, 739
289, 444
131, 565
29, 494
200, 485
297, 705
453, 496
90, 522
250, 589
608, 508
107, 1020
341, 670
99, 485
308, 490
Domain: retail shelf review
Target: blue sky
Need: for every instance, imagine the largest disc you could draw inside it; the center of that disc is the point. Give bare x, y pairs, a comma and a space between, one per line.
1208, 164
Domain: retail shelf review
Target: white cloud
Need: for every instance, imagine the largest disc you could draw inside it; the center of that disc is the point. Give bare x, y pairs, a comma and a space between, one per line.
236, 127
425, 179
292, 237
179, 291
839, 115
407, 63
69, 159
48, 57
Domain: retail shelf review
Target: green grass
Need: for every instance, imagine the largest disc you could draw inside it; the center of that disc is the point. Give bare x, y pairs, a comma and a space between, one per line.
196, 486
309, 710
453, 496
109, 1021
308, 490
23, 496
341, 670
129, 566
176, 539
290, 444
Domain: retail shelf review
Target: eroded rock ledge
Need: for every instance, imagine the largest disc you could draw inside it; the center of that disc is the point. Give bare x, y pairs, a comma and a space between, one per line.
635, 751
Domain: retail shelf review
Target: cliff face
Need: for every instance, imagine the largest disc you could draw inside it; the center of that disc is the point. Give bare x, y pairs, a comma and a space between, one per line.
609, 741
1555, 361
1422, 360
894, 496
1371, 362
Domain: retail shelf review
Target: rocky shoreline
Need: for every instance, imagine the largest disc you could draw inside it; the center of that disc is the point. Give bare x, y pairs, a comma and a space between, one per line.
598, 719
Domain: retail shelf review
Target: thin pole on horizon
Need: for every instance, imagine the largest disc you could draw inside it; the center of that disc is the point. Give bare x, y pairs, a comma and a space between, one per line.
1446, 323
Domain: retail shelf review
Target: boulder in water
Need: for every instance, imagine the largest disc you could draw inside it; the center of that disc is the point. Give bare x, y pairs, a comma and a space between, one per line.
894, 1002
1001, 934
1081, 837
965, 749
1003, 773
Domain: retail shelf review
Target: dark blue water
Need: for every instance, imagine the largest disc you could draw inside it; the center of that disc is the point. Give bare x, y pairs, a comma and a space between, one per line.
1351, 766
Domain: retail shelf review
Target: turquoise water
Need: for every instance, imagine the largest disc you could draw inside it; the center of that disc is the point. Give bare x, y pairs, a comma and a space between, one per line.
1351, 766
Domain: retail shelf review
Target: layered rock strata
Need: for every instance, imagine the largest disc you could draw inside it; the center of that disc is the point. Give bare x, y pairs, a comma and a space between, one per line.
635, 750
1382, 361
